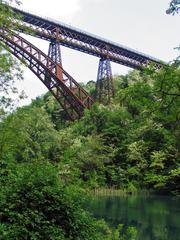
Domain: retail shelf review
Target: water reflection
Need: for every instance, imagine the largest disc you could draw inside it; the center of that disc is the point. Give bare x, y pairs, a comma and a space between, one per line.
155, 217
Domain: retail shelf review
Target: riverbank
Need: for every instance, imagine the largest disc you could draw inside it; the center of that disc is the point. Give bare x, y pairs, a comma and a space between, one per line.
118, 192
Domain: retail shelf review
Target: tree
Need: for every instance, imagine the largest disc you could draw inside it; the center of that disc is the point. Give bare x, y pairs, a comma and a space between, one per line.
29, 135
174, 7
10, 70
36, 205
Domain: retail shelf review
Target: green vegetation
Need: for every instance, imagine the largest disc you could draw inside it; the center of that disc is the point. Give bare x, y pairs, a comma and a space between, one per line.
46, 163
35, 205
131, 144
10, 71
174, 7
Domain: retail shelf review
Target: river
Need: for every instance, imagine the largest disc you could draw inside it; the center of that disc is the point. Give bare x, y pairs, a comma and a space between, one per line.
155, 217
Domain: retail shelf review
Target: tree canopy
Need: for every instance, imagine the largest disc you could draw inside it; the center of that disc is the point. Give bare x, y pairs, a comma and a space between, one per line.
10, 68
174, 7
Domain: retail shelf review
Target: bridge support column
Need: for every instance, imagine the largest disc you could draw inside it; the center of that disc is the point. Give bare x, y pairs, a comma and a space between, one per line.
54, 53
104, 84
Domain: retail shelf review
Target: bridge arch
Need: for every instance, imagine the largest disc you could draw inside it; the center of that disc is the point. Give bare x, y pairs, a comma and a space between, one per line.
70, 95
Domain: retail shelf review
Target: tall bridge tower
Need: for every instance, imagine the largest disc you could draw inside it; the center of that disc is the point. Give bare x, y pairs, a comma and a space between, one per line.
104, 84
54, 51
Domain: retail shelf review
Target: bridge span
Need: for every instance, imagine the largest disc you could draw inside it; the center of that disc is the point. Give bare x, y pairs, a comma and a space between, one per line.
48, 68
71, 37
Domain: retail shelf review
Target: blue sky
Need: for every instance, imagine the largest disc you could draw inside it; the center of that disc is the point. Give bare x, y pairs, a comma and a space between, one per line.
140, 24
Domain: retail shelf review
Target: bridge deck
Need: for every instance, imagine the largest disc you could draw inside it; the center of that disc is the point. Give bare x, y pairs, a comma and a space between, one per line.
77, 39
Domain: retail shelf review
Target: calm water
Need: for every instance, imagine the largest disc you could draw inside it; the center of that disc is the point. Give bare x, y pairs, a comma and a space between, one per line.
155, 217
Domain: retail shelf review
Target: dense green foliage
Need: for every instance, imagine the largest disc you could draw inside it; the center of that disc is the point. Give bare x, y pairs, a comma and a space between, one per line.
132, 144
174, 7
35, 205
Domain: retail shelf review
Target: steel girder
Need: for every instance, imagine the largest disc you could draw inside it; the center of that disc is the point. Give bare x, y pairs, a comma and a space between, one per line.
104, 84
107, 51
49, 29
71, 96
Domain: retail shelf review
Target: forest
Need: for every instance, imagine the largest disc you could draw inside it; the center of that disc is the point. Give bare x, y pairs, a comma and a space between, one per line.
50, 165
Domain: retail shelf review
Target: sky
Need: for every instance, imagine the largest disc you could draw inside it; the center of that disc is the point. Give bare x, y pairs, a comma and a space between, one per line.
139, 24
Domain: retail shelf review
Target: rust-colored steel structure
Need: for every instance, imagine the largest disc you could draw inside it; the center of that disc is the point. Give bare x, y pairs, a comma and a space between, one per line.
72, 97
52, 30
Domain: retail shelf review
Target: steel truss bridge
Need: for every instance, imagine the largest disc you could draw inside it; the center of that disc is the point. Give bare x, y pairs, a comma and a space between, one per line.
48, 67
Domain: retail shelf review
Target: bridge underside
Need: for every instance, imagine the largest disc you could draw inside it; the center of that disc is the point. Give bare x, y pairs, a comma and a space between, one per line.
107, 51
49, 29
48, 68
